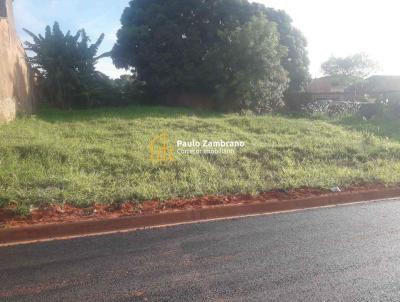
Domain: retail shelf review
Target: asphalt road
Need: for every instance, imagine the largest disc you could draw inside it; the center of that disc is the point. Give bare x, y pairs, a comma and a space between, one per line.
349, 253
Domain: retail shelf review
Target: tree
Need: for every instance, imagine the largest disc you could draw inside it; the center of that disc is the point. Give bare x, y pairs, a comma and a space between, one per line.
64, 66
354, 66
296, 62
247, 67
130, 87
220, 48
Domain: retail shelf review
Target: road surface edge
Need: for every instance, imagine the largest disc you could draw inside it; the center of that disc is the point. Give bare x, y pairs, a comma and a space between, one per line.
48, 232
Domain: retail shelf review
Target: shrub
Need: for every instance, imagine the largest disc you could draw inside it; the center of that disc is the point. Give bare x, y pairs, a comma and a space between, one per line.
393, 109
328, 108
296, 102
371, 110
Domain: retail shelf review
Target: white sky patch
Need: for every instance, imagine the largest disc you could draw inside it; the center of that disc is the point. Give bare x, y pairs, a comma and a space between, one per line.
107, 67
340, 27
344, 27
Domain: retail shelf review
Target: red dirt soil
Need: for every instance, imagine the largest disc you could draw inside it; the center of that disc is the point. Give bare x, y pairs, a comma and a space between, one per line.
69, 213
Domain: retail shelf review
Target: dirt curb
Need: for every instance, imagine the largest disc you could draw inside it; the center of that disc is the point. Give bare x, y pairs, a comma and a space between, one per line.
47, 232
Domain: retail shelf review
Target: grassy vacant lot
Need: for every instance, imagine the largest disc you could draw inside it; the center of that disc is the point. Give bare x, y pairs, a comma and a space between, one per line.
102, 156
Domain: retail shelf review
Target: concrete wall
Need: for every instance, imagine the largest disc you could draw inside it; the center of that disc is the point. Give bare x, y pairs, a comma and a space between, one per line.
16, 89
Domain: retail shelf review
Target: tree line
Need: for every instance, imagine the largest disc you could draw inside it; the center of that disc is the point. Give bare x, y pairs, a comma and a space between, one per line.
236, 54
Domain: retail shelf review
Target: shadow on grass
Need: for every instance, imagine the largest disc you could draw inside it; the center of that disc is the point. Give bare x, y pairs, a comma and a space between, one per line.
382, 126
128, 113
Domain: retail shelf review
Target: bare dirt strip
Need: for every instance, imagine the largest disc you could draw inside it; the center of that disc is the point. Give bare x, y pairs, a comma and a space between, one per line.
56, 222
66, 213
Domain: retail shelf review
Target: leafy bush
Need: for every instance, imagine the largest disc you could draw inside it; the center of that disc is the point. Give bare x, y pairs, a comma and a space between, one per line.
328, 108
303, 103
371, 110
342, 108
296, 102
131, 90
393, 109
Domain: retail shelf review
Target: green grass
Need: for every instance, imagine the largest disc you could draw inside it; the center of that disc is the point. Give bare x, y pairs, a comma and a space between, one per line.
81, 157
382, 126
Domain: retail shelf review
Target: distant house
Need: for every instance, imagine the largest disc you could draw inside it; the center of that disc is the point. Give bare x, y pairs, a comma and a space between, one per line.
372, 88
378, 87
329, 88
325, 85
382, 84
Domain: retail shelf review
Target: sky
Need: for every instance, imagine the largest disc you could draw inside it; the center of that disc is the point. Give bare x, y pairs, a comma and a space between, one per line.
332, 27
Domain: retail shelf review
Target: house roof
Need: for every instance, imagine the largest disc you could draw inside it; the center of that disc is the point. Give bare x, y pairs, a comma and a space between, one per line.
326, 84
373, 84
382, 83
